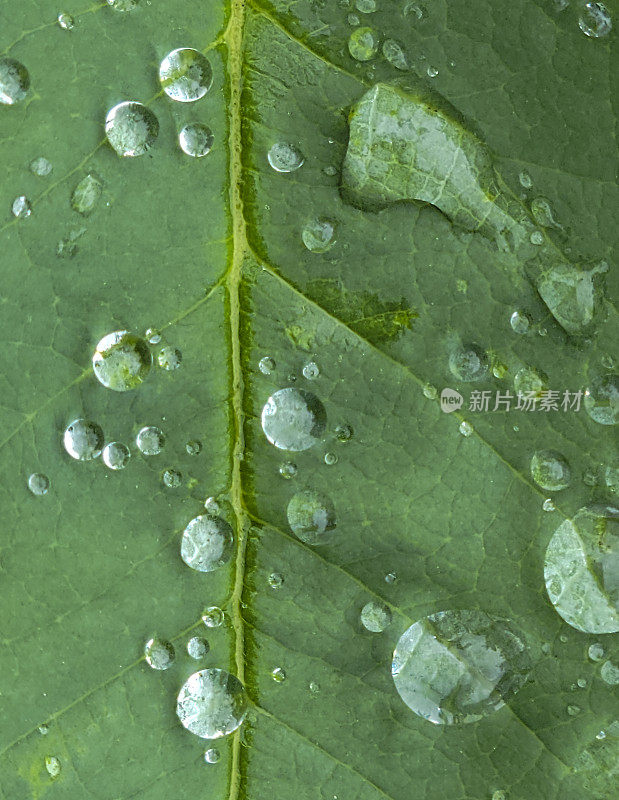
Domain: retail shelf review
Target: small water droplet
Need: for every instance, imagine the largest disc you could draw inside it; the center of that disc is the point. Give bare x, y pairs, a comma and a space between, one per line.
14, 81
391, 577
311, 371
293, 419
213, 617
314, 687
595, 20
123, 6
330, 170
611, 478
589, 478
548, 505
172, 478
499, 794
285, 157
197, 647
525, 180
131, 128
38, 483
86, 195
159, 653
150, 440
344, 433
83, 439
330, 459
365, 6
600, 735
287, 470
212, 506
311, 516
468, 363
169, 358
121, 361
413, 10
528, 381
519, 322
550, 470
602, 400
319, 235
53, 766
193, 447
44, 729
278, 675
21, 207
573, 710
395, 55
276, 580
115, 455
581, 683
185, 74
363, 44
596, 651
266, 365
609, 673
563, 638
40, 166
375, 617
537, 238
211, 703
196, 139
212, 755
153, 335
66, 22
432, 72
466, 429
207, 543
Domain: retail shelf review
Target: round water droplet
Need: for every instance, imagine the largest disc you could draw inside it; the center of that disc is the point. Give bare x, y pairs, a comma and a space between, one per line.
53, 766
196, 139
595, 20
212, 755
363, 44
353, 20
330, 459
602, 400
116, 455
213, 617
525, 180
14, 81
391, 577
468, 363
596, 651
40, 166
186, 75
276, 580
609, 673
197, 647
131, 128
395, 55
193, 447
430, 391
537, 238
38, 483
580, 571
311, 371
311, 516
375, 617
314, 687
278, 675
212, 703
83, 440
519, 322
548, 505
581, 683
465, 428
159, 653
172, 478
528, 381
550, 470
123, 5
66, 22
285, 157
288, 470
458, 666
266, 365
319, 235
44, 729
432, 72
169, 358
293, 419
150, 441
21, 207
207, 543
344, 433
121, 361
153, 335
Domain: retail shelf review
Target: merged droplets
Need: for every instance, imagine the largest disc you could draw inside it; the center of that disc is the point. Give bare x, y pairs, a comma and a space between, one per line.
311, 516
550, 470
468, 363
121, 361
116, 455
131, 128
319, 235
21, 207
595, 20
293, 419
83, 440
159, 653
212, 703
458, 666
185, 74
363, 44
196, 139
14, 81
285, 157
38, 483
207, 543
602, 400
197, 647
580, 570
375, 617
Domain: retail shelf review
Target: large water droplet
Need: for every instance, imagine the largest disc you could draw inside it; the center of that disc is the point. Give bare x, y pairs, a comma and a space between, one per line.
602, 400
319, 235
121, 361
159, 653
196, 139
609, 673
293, 419
212, 703
580, 570
550, 470
38, 483
311, 516
207, 543
573, 296
150, 440
83, 440
375, 617
458, 666
363, 44
285, 157
197, 647
468, 363
595, 20
186, 74
86, 195
131, 128
116, 455
14, 81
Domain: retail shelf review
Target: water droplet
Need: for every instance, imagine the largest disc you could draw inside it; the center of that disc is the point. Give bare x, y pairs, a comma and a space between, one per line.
311, 371
53, 766
499, 370
153, 335
595, 20
266, 365
395, 55
611, 478
550, 470
14, 81
207, 543
116, 455
573, 710
285, 157
44, 729
519, 322
278, 675
589, 478
212, 506
186, 75
365, 6
276, 580
375, 617
458, 666
121, 361
287, 470
528, 381
40, 166
430, 391
197, 647
344, 433
131, 128
563, 638
468, 363
196, 139
123, 5
462, 286
537, 238
159, 653
314, 687
581, 683
466, 429
83, 439
169, 358
38, 483
193, 447
66, 22
548, 505
543, 214
602, 400
413, 10
330, 459
600, 735
212, 755
499, 795
363, 44
391, 577
213, 617
330, 170
150, 440
609, 673
573, 295
578, 570
311, 516
293, 419
595, 651
172, 478
319, 234
86, 195
21, 207
432, 72
525, 180
212, 703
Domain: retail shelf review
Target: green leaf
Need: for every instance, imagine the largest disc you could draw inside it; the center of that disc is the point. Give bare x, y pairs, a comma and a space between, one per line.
210, 252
